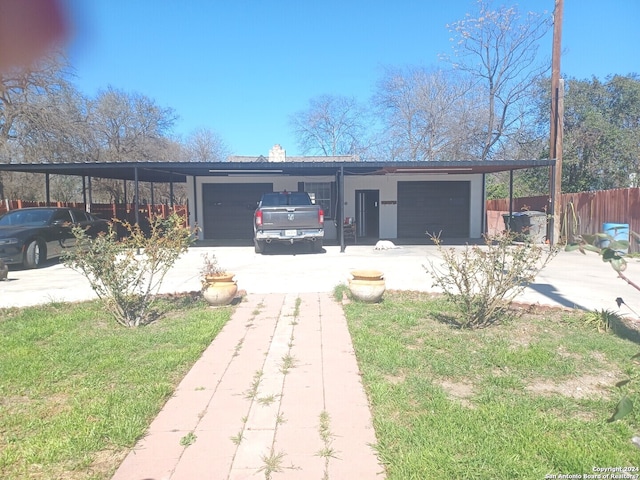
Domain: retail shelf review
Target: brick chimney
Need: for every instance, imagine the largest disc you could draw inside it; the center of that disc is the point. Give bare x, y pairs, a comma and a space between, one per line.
277, 154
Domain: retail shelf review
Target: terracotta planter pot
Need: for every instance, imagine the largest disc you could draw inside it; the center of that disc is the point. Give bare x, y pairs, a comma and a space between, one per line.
220, 289
369, 291
223, 277
367, 275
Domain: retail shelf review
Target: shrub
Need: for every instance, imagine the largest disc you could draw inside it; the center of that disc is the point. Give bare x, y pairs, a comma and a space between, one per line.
483, 281
127, 273
601, 320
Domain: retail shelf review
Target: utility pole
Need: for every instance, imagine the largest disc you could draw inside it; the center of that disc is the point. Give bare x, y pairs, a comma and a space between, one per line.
557, 113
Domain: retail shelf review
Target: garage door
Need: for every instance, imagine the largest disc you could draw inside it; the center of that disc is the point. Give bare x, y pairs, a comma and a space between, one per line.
228, 209
433, 207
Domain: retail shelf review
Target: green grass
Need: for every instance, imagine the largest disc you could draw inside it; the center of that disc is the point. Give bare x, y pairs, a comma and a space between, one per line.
77, 390
518, 400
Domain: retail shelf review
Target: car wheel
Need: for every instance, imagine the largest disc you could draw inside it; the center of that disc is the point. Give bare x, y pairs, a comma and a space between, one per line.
34, 255
259, 246
317, 246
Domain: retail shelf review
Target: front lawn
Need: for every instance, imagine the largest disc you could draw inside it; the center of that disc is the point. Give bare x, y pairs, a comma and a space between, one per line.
518, 400
77, 390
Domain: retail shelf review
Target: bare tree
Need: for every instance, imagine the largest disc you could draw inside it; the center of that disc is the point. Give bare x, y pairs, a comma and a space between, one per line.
129, 126
61, 134
331, 125
499, 50
426, 114
25, 101
43, 118
204, 145
37, 118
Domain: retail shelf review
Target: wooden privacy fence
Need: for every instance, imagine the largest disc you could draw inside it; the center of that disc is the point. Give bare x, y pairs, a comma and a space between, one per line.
121, 211
580, 213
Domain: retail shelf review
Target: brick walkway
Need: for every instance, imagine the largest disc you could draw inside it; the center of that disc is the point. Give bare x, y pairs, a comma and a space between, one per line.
277, 395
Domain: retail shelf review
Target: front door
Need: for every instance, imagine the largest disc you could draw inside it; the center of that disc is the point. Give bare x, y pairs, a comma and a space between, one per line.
368, 213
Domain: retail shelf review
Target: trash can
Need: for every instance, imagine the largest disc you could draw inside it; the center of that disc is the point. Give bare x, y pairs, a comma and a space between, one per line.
617, 231
537, 226
528, 226
513, 222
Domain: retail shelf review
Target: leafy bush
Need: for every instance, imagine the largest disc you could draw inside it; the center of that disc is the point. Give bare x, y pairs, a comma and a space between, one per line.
482, 281
630, 388
601, 320
126, 273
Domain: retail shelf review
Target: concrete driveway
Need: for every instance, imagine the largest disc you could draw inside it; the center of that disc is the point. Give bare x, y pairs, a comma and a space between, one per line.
570, 280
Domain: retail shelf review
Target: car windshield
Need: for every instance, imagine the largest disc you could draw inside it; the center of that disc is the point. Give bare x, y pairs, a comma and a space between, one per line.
277, 199
26, 217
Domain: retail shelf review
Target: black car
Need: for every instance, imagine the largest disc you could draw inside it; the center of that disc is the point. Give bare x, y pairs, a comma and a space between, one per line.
29, 236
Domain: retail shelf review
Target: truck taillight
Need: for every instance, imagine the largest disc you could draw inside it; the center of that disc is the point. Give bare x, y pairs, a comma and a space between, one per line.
321, 217
259, 218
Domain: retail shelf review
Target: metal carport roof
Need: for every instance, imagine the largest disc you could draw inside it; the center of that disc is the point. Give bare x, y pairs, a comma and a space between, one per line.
178, 172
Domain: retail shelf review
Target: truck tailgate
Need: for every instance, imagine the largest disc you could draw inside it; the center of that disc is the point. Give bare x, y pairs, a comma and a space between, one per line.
290, 217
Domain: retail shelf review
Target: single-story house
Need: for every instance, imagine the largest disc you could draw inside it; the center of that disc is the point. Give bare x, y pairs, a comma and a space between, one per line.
389, 200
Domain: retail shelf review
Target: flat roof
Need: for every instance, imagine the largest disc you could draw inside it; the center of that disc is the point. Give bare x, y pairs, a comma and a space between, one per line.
164, 172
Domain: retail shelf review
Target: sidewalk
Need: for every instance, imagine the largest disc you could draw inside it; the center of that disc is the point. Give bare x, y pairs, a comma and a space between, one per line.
277, 395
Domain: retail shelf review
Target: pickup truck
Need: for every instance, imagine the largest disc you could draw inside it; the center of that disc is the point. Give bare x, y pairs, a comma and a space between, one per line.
287, 217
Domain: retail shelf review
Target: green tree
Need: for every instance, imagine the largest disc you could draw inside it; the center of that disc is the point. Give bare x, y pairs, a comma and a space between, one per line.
601, 144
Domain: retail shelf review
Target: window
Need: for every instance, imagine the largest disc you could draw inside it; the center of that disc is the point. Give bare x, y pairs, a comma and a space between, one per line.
323, 197
79, 216
62, 216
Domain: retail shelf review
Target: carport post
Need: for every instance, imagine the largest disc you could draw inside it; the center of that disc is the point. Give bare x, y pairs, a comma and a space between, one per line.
483, 210
84, 192
136, 199
510, 195
90, 194
340, 219
195, 203
46, 189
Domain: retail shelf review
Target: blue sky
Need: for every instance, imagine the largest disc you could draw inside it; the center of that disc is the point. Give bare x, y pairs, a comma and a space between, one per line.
242, 67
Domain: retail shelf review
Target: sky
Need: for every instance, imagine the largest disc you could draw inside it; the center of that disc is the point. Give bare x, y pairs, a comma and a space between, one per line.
242, 67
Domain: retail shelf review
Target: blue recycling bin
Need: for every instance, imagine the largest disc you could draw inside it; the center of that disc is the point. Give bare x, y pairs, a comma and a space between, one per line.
617, 231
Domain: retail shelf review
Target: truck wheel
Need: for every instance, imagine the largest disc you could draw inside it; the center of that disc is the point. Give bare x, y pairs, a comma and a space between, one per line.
259, 246
317, 246
34, 255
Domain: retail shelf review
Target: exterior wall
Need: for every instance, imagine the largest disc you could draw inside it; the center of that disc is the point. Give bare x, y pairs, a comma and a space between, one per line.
388, 187
386, 184
280, 183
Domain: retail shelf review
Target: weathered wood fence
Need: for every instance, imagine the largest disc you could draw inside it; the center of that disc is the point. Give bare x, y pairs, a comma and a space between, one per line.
582, 212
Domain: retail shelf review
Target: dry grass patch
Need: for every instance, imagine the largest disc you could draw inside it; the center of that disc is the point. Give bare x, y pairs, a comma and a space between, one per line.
600, 386
461, 391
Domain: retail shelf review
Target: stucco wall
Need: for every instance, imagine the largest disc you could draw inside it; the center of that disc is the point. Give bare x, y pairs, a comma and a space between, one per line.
386, 184
388, 187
